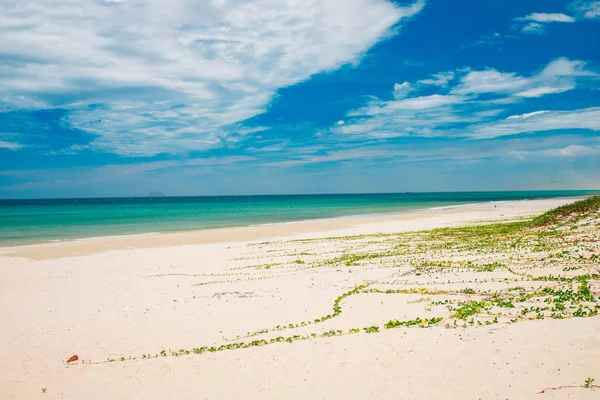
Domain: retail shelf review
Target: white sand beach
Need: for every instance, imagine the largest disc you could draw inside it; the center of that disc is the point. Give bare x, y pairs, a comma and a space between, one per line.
133, 297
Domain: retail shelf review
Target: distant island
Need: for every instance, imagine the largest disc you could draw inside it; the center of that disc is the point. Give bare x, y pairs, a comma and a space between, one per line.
156, 194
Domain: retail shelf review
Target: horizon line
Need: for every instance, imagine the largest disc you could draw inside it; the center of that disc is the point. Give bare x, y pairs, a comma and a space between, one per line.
304, 194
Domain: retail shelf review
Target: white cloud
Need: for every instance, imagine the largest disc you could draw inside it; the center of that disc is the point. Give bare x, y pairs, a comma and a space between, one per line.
535, 23
409, 116
414, 103
440, 79
547, 17
566, 145
334, 156
490, 81
533, 28
134, 169
10, 145
586, 9
587, 118
527, 115
465, 112
401, 90
377, 107
564, 67
206, 66
573, 151
412, 116
110, 171
568, 151
542, 91
558, 76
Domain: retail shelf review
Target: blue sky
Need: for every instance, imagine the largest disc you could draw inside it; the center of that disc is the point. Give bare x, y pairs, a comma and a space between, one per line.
125, 97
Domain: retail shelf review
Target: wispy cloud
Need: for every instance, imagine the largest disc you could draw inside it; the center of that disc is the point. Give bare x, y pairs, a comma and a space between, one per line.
587, 118
334, 156
206, 66
536, 23
439, 79
488, 40
324, 168
547, 17
374, 153
490, 81
473, 106
9, 145
121, 171
558, 76
568, 151
585, 9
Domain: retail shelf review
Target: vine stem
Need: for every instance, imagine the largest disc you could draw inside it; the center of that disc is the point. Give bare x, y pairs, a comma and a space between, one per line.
570, 387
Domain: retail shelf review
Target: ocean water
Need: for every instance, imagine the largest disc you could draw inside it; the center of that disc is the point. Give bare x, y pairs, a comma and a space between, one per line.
36, 221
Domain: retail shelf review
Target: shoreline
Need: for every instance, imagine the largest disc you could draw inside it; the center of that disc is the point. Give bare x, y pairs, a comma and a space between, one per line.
265, 224
402, 221
254, 225
28, 234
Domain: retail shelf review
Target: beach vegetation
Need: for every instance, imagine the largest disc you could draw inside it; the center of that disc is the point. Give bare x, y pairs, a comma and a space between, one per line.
589, 382
575, 210
471, 277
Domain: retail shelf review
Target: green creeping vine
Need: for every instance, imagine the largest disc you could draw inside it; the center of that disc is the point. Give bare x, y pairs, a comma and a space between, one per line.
418, 322
337, 310
413, 322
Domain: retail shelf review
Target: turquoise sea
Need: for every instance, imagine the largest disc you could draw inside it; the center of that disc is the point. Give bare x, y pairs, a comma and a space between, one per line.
35, 221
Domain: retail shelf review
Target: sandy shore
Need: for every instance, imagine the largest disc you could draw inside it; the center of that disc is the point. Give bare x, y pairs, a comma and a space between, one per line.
132, 298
